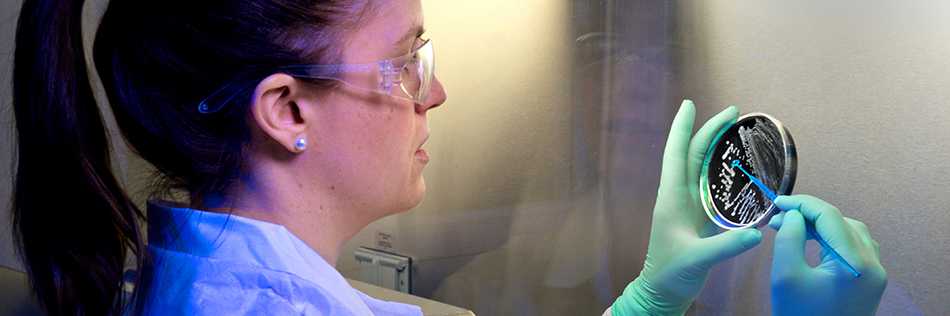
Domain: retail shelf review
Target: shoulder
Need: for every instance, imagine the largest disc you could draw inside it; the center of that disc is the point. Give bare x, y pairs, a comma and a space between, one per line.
183, 284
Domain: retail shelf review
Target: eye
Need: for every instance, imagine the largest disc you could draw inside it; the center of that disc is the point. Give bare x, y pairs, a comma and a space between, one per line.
411, 62
418, 43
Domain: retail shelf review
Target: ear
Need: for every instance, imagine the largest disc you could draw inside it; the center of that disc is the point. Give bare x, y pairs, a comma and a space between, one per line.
275, 109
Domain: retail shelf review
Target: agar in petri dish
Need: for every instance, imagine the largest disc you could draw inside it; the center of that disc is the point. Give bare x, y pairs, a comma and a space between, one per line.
764, 147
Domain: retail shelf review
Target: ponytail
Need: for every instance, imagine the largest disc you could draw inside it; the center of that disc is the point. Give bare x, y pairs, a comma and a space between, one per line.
73, 224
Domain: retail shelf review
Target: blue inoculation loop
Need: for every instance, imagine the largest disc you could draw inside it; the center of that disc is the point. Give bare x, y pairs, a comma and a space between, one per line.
768, 192
811, 230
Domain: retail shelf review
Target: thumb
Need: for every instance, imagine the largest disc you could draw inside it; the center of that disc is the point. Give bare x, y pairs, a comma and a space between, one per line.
718, 248
790, 245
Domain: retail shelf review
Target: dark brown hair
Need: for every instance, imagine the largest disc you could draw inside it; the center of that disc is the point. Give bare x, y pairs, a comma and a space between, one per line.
74, 225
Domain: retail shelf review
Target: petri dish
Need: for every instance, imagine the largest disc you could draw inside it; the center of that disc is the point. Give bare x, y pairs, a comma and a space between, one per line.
765, 149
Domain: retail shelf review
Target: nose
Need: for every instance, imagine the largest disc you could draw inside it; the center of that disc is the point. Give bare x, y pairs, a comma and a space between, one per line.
437, 96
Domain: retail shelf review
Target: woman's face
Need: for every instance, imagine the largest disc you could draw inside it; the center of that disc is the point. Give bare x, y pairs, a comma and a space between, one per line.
368, 145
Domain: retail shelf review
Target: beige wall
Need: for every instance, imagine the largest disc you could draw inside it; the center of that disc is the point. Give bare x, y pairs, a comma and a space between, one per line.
863, 86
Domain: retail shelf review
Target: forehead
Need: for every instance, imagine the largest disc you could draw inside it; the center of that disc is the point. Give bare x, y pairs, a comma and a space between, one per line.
384, 25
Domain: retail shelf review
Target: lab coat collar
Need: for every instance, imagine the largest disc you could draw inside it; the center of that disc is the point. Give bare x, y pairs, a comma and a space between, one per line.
214, 235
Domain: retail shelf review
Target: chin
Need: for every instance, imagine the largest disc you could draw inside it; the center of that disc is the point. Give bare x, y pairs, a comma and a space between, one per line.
411, 197
416, 194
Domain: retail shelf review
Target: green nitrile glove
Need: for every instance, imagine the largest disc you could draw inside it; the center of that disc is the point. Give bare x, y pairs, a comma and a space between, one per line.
829, 288
681, 252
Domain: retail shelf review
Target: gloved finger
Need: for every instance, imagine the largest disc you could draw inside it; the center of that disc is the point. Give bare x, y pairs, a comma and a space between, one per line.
776, 221
860, 229
715, 249
708, 228
827, 220
699, 145
789, 249
673, 172
877, 249
858, 226
865, 235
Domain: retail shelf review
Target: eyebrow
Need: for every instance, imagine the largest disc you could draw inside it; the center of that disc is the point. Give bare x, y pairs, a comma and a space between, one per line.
413, 32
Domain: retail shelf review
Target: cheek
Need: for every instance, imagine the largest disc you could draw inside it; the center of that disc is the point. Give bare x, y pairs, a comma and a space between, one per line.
373, 151
388, 138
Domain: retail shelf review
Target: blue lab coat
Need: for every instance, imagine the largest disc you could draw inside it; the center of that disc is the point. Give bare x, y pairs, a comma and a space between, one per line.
207, 263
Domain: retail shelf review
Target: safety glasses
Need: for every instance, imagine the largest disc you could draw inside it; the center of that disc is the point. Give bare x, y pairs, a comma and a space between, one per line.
408, 77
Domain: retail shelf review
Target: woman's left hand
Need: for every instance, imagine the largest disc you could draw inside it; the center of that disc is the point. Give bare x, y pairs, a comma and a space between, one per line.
682, 245
795, 283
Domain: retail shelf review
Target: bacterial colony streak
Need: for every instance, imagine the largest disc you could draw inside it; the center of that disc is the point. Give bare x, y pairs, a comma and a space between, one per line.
744, 206
722, 192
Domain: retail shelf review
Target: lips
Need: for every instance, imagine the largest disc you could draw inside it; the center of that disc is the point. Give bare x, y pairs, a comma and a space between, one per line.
420, 153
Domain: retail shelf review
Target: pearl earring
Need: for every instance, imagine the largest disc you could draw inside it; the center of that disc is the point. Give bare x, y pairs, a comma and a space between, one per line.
301, 144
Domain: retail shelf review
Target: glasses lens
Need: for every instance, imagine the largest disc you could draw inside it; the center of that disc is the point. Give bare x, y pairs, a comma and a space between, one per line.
417, 74
411, 79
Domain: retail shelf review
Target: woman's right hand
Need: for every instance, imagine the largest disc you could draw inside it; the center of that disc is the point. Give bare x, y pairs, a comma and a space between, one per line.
683, 244
828, 288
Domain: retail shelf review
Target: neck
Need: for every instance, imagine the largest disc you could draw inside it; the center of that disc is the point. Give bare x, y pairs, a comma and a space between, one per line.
312, 217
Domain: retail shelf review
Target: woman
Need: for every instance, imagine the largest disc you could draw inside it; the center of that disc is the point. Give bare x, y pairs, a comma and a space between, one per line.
291, 124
